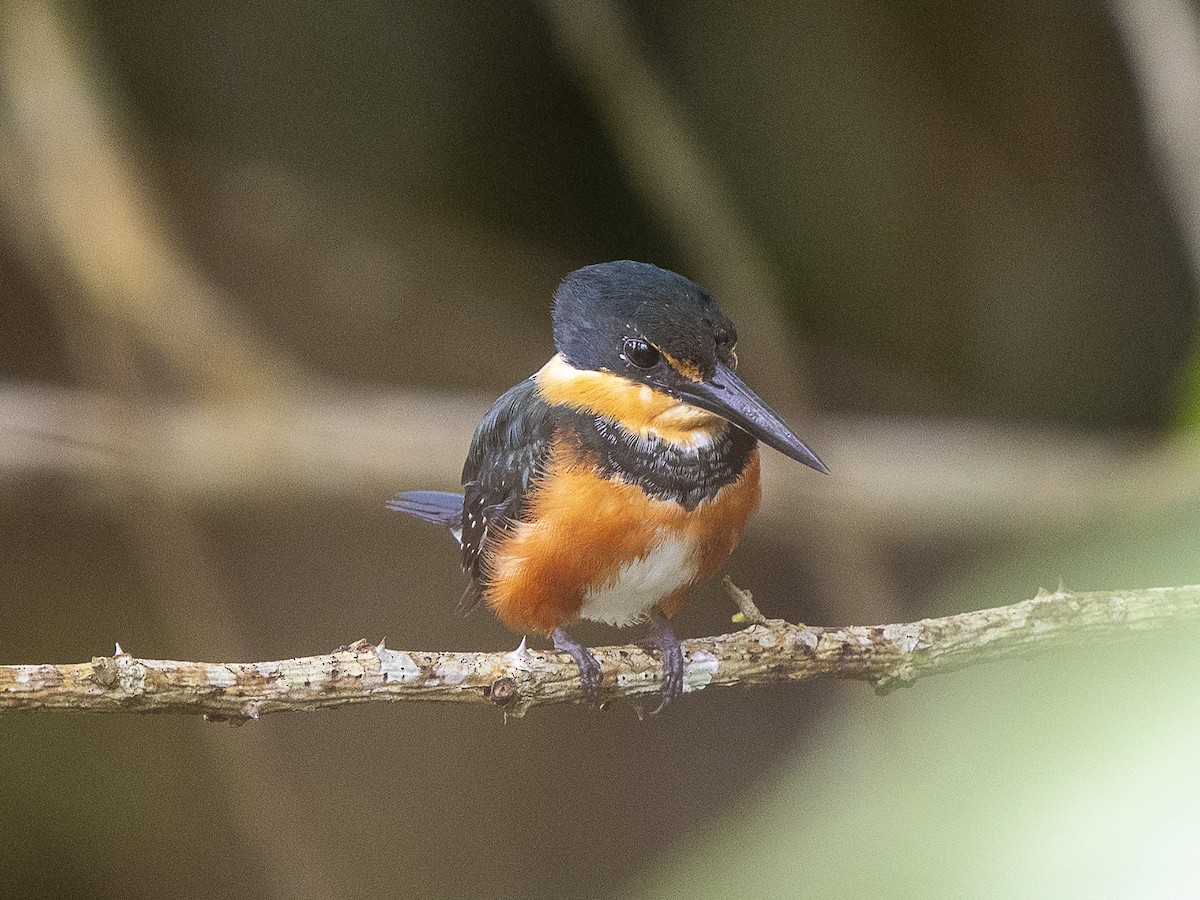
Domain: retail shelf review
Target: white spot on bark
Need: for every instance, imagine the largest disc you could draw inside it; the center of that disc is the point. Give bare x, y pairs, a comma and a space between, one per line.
907, 638
701, 667
396, 665
808, 638
451, 671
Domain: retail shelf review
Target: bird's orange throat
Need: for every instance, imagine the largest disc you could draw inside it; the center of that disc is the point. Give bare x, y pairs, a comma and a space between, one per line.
638, 408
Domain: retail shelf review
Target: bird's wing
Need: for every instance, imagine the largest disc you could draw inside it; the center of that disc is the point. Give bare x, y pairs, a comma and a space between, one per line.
507, 455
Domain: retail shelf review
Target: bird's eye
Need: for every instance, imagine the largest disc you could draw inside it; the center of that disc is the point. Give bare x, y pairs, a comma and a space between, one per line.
640, 353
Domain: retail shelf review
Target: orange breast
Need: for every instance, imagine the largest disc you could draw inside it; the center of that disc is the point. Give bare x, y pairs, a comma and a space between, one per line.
582, 529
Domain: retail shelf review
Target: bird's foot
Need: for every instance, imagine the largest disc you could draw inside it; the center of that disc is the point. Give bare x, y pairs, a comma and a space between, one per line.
672, 658
589, 668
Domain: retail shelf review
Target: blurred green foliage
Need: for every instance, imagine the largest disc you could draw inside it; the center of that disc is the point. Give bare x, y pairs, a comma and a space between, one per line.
1067, 776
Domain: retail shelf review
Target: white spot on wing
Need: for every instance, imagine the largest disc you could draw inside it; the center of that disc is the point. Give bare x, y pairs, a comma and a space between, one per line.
640, 583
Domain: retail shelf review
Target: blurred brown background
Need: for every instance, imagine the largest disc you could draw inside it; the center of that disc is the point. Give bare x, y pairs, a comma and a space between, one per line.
262, 265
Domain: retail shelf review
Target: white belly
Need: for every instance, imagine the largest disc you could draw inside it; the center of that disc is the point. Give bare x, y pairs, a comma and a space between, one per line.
640, 583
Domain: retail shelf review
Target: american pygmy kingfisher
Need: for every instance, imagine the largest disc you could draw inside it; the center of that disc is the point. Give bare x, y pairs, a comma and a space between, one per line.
620, 476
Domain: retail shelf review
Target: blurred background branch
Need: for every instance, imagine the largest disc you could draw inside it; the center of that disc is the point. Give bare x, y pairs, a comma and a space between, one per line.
87, 213
969, 479
1161, 39
128, 299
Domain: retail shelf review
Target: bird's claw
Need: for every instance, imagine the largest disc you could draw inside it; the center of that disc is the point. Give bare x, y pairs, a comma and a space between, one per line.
672, 659
589, 667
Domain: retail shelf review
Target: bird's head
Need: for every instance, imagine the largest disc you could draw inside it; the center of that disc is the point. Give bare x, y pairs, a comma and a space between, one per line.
651, 348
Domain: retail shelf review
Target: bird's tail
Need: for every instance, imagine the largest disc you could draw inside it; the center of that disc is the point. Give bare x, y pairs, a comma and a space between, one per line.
439, 507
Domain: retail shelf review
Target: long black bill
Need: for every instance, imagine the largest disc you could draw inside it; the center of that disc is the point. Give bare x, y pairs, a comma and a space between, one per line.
729, 397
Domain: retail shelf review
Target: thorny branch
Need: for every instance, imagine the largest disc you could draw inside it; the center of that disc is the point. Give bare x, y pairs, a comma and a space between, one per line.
772, 651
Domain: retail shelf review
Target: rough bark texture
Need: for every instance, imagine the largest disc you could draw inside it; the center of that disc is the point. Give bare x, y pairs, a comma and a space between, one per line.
887, 656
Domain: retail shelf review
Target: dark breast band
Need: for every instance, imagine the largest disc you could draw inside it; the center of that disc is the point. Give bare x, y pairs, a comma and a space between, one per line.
663, 470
